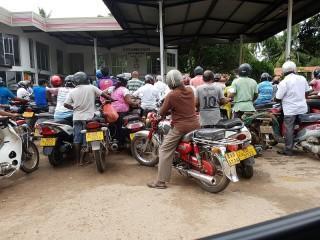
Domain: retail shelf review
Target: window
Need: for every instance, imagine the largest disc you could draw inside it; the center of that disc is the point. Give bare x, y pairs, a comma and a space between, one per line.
171, 60
31, 53
9, 50
60, 61
12, 78
119, 64
76, 62
42, 56
153, 63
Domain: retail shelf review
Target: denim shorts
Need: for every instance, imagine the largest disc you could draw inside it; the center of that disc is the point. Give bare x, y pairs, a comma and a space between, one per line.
78, 137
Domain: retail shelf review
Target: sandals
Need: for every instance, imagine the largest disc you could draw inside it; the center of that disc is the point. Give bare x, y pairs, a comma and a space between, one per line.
285, 153
157, 185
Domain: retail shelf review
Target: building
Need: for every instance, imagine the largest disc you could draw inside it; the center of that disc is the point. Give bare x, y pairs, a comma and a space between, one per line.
32, 47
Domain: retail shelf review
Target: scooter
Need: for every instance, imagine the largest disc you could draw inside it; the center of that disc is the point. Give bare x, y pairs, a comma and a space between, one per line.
16, 149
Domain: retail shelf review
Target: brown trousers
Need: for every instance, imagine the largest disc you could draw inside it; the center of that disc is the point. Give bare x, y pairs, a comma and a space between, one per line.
166, 154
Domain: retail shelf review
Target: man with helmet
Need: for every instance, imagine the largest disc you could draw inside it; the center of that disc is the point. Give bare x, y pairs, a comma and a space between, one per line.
22, 91
135, 82
104, 81
41, 95
148, 95
197, 80
265, 89
82, 101
315, 83
6, 94
181, 102
60, 111
244, 91
291, 92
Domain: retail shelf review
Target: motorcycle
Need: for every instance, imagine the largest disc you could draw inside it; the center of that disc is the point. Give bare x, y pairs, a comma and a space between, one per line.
56, 140
97, 135
16, 148
306, 131
212, 156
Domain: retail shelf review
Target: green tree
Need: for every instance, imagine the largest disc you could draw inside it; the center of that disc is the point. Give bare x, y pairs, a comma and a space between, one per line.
43, 13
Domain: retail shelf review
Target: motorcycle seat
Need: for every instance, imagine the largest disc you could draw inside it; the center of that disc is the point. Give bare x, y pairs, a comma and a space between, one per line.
212, 134
264, 105
229, 123
311, 117
61, 121
131, 117
313, 102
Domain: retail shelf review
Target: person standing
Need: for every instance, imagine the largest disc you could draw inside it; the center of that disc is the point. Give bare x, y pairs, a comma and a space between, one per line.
135, 82
197, 80
209, 97
82, 101
292, 91
244, 91
180, 101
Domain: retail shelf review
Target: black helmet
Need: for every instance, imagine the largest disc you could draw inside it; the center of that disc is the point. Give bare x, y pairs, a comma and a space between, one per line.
198, 70
265, 77
69, 81
81, 78
122, 79
316, 73
244, 70
105, 71
1, 82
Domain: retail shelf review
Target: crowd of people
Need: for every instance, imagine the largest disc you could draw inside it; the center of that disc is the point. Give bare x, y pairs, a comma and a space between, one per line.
181, 96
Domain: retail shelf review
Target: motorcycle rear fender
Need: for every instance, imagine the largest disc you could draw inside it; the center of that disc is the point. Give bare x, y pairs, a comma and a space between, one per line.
229, 171
309, 131
95, 145
47, 150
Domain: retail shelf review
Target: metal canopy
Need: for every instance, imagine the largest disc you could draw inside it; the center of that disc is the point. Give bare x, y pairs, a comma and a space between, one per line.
210, 21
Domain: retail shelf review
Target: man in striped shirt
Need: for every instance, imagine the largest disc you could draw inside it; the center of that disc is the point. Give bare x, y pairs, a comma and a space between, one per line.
134, 84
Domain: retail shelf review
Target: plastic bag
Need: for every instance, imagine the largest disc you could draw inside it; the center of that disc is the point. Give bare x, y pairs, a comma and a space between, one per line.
110, 114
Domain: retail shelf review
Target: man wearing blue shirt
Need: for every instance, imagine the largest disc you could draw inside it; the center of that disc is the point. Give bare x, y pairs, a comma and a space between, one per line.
40, 95
6, 94
265, 89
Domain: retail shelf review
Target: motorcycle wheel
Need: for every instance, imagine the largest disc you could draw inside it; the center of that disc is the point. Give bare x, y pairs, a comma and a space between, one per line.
100, 159
55, 158
142, 157
245, 171
30, 158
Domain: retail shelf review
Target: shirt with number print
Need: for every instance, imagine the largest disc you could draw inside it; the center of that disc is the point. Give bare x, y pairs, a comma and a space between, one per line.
209, 96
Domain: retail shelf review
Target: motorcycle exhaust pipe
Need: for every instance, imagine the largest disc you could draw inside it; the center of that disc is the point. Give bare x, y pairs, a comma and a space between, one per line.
311, 147
197, 175
114, 147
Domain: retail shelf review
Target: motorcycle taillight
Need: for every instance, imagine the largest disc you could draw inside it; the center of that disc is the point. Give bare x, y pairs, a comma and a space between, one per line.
47, 131
93, 125
232, 148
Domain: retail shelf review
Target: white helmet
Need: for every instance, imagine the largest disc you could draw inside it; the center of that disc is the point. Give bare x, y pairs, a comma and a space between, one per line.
174, 78
289, 67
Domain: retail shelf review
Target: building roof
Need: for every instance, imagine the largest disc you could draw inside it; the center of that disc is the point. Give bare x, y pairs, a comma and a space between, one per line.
187, 21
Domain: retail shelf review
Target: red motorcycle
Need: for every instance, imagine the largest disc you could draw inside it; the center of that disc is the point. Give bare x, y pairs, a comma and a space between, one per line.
208, 155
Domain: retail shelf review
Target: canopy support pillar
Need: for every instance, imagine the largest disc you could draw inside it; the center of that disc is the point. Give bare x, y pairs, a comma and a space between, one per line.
95, 53
289, 29
161, 40
241, 50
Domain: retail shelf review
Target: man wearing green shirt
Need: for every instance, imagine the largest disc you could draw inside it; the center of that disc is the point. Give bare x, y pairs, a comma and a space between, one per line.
244, 91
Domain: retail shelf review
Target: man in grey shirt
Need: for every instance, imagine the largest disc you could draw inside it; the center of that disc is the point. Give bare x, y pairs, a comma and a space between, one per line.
209, 97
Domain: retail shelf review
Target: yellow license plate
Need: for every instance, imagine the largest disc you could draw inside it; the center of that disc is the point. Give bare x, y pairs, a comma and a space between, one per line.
28, 114
94, 136
131, 136
48, 142
234, 158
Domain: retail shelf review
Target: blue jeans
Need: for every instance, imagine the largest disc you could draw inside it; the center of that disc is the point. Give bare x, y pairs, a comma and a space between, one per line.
78, 137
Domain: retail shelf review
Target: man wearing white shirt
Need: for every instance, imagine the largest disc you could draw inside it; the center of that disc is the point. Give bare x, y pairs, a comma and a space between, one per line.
148, 94
292, 93
22, 91
161, 87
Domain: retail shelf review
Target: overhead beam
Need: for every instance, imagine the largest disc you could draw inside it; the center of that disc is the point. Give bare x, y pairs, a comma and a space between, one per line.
230, 16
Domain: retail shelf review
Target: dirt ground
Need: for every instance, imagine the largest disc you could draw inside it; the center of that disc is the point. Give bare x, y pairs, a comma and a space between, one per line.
73, 202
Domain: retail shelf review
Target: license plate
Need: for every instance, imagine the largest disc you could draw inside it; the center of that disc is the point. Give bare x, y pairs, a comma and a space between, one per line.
131, 136
94, 136
28, 114
48, 142
266, 129
234, 158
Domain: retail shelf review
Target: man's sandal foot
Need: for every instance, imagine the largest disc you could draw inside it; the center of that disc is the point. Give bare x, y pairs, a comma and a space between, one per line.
157, 185
285, 153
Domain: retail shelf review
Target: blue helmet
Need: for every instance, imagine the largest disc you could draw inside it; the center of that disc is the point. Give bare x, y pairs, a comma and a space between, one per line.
99, 74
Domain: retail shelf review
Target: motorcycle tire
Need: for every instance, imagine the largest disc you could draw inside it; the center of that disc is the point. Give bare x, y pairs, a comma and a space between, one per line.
100, 159
55, 158
245, 171
35, 165
215, 188
143, 161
